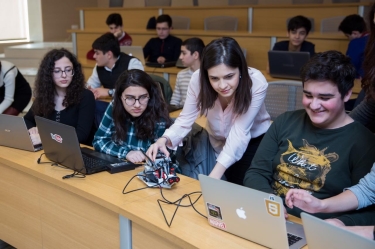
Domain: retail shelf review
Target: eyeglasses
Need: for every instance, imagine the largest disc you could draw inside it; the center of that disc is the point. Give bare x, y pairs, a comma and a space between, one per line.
59, 73
163, 29
130, 101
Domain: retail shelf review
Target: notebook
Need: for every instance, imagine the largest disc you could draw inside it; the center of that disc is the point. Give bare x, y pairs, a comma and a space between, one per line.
250, 214
321, 234
135, 51
285, 64
165, 64
14, 133
61, 145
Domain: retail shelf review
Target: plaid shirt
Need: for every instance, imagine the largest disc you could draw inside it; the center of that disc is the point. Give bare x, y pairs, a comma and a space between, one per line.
104, 143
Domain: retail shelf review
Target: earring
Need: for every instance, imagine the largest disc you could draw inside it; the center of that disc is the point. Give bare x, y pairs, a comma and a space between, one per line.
240, 76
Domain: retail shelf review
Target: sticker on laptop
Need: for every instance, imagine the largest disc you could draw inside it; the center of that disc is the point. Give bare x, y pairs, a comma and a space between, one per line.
57, 138
214, 211
272, 206
217, 223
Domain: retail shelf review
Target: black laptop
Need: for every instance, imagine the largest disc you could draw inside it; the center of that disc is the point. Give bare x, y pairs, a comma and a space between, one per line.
286, 64
61, 145
165, 64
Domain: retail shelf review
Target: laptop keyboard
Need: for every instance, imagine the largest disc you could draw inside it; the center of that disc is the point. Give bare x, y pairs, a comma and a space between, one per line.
94, 164
292, 239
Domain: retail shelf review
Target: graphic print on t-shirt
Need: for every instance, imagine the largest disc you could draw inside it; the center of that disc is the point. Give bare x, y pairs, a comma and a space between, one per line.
304, 168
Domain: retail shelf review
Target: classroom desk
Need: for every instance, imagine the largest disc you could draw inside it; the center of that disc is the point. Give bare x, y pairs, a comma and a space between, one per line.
41, 210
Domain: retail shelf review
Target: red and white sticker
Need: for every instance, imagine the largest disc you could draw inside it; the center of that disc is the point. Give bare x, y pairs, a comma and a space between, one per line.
217, 223
57, 138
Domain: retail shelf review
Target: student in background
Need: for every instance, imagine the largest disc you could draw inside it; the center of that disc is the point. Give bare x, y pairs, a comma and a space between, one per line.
319, 149
298, 29
165, 47
110, 63
135, 118
231, 95
191, 50
354, 27
60, 95
114, 22
15, 91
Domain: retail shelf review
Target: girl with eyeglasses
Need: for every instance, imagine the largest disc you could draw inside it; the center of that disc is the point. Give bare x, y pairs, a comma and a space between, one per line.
136, 118
60, 95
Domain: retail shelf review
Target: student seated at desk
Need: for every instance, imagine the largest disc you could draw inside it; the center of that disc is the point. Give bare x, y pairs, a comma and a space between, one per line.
15, 91
355, 197
137, 116
191, 50
60, 95
165, 47
319, 149
231, 95
114, 22
298, 29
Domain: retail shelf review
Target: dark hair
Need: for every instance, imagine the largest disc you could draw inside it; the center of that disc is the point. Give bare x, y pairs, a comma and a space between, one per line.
352, 23
114, 18
368, 81
225, 51
164, 18
299, 22
330, 66
156, 110
194, 45
107, 42
45, 90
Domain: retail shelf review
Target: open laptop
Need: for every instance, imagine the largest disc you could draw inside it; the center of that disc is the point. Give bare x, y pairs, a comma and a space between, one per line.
250, 214
135, 51
286, 64
14, 133
61, 145
165, 64
321, 234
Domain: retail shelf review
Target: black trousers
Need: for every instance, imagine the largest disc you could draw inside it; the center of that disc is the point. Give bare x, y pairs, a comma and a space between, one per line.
236, 172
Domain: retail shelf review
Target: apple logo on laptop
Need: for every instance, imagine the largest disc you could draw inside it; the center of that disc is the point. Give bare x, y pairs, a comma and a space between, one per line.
241, 213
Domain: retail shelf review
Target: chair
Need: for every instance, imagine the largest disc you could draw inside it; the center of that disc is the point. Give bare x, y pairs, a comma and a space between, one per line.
282, 96
306, 1
180, 22
345, 1
149, 3
165, 87
330, 24
242, 2
228, 23
115, 3
311, 20
212, 3
178, 3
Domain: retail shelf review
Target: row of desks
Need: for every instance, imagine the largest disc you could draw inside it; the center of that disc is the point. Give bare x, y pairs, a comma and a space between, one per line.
41, 210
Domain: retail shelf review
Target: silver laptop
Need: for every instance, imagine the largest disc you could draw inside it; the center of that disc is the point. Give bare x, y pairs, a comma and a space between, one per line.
285, 64
135, 51
250, 214
321, 234
61, 146
14, 133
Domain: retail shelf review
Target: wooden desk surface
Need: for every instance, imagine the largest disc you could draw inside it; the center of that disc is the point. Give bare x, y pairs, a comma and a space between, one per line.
41, 210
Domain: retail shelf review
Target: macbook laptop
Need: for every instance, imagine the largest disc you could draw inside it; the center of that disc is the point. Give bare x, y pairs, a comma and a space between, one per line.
250, 214
61, 145
135, 51
321, 234
285, 64
165, 64
14, 133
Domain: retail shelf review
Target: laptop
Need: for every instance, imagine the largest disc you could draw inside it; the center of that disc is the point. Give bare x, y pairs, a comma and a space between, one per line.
250, 214
61, 145
135, 51
286, 64
173, 108
321, 234
14, 133
165, 64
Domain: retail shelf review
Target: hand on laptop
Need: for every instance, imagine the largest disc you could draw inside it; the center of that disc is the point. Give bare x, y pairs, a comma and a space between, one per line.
303, 200
160, 60
135, 156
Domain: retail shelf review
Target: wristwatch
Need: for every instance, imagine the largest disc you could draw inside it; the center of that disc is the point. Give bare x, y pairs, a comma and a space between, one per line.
111, 92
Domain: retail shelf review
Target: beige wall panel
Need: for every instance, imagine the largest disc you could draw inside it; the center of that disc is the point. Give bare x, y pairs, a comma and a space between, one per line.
263, 22
144, 238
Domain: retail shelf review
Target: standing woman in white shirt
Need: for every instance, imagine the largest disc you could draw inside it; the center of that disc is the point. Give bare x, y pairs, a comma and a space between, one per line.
231, 95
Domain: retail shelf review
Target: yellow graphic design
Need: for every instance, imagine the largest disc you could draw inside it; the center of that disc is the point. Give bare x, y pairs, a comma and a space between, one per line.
305, 168
273, 207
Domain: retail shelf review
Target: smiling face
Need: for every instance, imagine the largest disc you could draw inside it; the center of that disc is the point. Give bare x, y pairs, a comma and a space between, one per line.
63, 73
297, 36
324, 104
224, 80
139, 95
